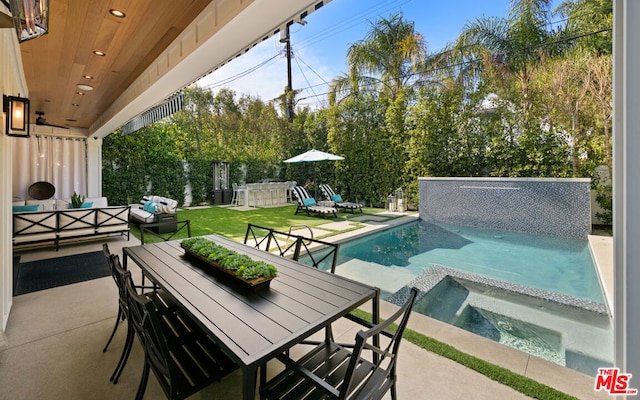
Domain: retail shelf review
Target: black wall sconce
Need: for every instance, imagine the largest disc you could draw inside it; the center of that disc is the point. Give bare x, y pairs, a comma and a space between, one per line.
17, 115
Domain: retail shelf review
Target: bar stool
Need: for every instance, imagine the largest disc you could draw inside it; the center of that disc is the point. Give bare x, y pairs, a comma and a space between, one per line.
237, 192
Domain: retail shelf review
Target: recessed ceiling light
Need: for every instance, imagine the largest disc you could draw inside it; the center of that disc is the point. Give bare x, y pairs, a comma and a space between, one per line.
117, 13
75, 104
71, 120
99, 53
87, 76
80, 93
84, 87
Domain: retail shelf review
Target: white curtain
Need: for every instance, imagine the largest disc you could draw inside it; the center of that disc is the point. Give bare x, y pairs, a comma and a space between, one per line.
57, 160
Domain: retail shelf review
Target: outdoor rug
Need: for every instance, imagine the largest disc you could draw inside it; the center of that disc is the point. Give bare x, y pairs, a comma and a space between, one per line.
60, 271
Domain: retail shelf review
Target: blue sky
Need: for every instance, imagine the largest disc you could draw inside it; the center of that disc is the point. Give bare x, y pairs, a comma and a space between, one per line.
320, 46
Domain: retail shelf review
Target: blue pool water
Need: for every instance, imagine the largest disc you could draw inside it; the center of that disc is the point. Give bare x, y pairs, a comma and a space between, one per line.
553, 264
573, 337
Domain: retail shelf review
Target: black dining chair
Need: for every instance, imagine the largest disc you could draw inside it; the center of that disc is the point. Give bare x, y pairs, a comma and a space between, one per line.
332, 371
159, 297
122, 307
180, 354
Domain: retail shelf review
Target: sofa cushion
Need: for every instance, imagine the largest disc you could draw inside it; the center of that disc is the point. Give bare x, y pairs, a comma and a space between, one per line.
170, 203
150, 206
98, 202
34, 237
31, 208
44, 205
62, 204
75, 219
112, 216
86, 204
32, 223
142, 216
113, 219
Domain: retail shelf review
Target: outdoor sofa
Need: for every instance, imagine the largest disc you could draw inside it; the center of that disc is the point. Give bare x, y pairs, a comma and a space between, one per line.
150, 209
51, 221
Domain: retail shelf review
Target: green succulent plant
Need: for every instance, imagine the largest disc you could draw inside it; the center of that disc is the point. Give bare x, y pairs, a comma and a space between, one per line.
76, 200
243, 265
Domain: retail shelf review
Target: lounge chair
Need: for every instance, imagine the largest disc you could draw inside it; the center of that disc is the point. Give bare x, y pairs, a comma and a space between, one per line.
340, 204
308, 204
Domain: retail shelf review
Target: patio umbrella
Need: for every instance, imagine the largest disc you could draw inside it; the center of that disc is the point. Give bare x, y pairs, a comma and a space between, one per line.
313, 155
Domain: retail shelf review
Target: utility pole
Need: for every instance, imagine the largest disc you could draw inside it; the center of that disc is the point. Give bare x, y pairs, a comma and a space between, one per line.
288, 92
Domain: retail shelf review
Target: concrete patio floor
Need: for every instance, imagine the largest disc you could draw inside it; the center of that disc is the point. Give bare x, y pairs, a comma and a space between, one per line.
54, 340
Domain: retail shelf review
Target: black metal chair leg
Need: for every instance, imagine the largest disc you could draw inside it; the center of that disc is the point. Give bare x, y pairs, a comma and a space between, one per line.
126, 351
143, 382
115, 328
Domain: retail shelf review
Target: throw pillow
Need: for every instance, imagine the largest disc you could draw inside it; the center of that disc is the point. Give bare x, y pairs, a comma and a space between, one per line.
87, 204
309, 201
336, 198
150, 206
31, 208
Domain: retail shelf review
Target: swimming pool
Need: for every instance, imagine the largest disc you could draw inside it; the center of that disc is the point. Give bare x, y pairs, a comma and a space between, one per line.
534, 293
554, 264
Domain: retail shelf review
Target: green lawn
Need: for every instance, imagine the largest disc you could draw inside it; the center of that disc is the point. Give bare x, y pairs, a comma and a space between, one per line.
232, 223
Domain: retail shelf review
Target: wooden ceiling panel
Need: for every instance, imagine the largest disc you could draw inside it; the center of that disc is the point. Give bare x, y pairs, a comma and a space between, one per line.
56, 62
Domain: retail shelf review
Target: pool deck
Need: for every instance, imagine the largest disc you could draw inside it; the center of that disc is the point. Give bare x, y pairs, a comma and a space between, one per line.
54, 339
602, 252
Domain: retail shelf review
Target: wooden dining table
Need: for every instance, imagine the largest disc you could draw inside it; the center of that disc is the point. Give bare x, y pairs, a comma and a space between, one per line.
252, 327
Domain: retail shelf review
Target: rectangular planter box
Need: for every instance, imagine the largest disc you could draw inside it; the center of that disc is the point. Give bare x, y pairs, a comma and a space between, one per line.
253, 284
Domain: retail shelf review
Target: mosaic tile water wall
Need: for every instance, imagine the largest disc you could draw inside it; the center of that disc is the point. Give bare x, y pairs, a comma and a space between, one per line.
544, 206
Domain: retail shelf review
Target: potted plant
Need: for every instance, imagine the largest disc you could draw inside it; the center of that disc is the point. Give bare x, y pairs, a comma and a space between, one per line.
256, 274
76, 200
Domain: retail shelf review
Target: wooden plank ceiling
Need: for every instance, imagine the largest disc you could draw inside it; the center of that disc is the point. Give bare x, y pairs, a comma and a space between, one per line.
56, 63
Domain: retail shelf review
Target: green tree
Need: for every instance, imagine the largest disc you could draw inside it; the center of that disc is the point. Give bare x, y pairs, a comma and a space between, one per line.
386, 60
510, 47
591, 23
384, 70
143, 162
357, 132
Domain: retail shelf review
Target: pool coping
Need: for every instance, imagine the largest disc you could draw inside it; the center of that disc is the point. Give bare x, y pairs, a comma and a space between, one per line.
602, 253
431, 277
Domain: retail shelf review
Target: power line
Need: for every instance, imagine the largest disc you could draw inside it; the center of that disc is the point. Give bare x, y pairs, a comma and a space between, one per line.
312, 70
434, 70
305, 77
351, 22
242, 74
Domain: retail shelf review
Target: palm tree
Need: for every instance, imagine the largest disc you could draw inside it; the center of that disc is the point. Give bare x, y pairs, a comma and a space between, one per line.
386, 60
591, 21
512, 46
